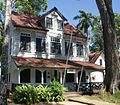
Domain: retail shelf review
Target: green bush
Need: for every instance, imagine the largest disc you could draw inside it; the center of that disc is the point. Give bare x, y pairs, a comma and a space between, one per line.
44, 93
57, 91
26, 94
30, 94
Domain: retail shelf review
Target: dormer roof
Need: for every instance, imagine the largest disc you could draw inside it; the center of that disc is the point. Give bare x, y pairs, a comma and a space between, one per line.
56, 10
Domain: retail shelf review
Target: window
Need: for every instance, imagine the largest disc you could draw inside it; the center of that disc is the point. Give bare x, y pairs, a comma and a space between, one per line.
25, 42
25, 76
100, 61
67, 43
38, 76
40, 45
70, 77
79, 49
49, 22
60, 24
55, 45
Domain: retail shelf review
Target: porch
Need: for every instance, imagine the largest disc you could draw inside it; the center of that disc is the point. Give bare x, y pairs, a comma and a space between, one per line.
37, 71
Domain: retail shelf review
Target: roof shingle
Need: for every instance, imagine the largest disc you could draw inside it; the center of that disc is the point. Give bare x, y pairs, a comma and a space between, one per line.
53, 63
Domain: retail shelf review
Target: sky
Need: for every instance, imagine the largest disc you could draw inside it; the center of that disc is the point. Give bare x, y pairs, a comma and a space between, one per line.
70, 8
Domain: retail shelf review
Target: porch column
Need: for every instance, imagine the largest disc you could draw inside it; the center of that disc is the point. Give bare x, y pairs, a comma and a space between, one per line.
42, 77
76, 75
18, 76
61, 77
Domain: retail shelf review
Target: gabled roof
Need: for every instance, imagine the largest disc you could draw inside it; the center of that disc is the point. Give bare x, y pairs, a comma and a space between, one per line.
70, 28
56, 10
53, 63
26, 21
33, 22
94, 56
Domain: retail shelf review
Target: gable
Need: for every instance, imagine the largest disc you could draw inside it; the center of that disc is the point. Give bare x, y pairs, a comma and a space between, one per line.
56, 11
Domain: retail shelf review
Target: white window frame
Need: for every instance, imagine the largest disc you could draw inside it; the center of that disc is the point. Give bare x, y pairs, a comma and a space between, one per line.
79, 43
42, 38
53, 40
27, 35
51, 23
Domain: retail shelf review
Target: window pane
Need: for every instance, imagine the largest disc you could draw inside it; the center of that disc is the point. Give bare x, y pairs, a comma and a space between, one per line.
40, 45
60, 24
67, 48
49, 22
24, 43
55, 46
25, 76
70, 77
38, 76
79, 49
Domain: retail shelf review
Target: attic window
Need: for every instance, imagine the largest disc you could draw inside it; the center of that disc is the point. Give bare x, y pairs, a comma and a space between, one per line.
79, 49
100, 61
60, 24
48, 22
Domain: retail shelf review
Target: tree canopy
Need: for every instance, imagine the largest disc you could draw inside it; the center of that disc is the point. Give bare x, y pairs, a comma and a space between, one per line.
97, 43
85, 21
33, 7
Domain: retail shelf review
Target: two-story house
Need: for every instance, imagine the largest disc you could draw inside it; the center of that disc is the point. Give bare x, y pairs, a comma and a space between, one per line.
47, 47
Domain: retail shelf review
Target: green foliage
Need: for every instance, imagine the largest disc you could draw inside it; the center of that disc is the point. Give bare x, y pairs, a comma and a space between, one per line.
85, 21
30, 94
44, 93
26, 94
57, 91
33, 7
97, 35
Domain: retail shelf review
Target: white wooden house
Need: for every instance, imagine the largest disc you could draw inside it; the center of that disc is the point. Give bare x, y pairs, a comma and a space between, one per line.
97, 58
38, 50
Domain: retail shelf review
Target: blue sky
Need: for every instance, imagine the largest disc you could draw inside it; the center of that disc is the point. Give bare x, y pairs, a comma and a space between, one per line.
70, 8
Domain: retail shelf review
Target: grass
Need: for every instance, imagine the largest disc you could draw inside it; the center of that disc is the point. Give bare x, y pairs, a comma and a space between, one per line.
107, 97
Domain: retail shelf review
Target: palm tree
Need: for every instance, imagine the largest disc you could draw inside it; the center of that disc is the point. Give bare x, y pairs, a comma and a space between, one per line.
85, 21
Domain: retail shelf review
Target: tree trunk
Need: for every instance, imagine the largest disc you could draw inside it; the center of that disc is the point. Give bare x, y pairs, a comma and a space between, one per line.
112, 66
4, 62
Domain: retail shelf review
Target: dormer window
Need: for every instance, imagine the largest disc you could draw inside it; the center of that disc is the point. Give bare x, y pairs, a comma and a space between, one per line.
55, 45
48, 22
79, 46
40, 45
60, 24
25, 42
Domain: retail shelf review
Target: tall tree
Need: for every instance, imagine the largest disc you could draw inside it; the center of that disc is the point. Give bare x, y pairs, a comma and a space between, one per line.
4, 67
110, 45
85, 21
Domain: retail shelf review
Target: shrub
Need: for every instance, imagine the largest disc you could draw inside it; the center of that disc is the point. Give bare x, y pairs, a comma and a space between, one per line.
44, 93
57, 91
26, 94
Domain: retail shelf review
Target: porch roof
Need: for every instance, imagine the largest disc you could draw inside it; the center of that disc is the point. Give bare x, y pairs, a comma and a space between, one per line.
53, 63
